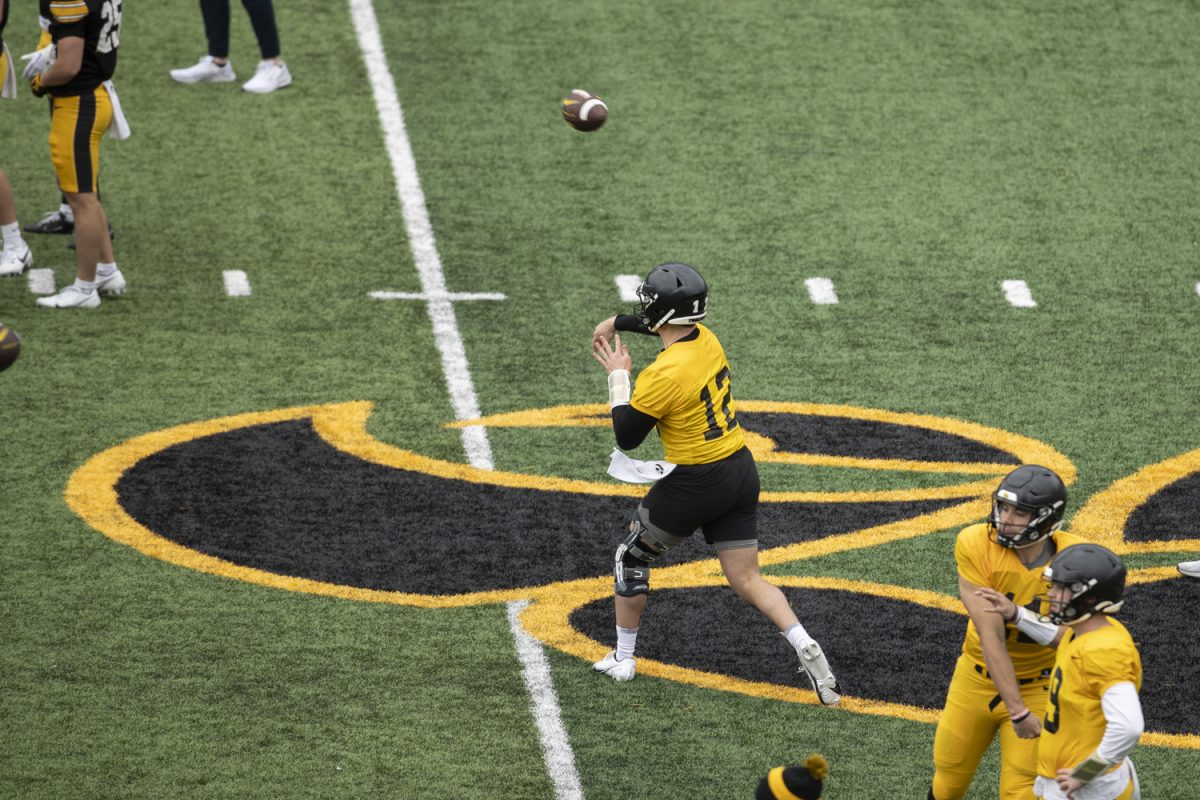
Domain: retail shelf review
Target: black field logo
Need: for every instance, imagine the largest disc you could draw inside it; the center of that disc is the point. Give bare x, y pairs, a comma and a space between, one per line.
305, 499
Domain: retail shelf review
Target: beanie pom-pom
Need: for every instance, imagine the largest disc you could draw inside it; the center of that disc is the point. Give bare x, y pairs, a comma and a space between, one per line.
817, 766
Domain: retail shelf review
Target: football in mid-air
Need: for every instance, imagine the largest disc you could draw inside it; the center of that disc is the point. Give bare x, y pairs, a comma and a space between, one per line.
10, 346
584, 111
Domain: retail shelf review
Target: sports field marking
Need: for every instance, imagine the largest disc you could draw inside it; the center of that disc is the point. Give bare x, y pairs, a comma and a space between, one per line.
627, 286
451, 296
420, 234
1017, 293
821, 291
1198, 287
237, 284
41, 281
535, 668
556, 750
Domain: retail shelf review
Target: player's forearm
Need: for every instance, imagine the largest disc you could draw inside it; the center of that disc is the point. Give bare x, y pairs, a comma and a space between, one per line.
1000, 669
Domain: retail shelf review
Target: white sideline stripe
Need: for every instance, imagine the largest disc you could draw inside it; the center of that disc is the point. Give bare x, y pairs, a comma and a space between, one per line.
41, 281
556, 750
627, 286
1198, 288
452, 296
237, 284
1017, 293
821, 291
420, 234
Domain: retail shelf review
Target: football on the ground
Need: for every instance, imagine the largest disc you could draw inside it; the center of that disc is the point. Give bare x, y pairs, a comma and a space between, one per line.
10, 346
584, 111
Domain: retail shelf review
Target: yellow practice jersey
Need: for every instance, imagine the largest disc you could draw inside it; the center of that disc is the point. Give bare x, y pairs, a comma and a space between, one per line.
985, 563
1086, 667
687, 389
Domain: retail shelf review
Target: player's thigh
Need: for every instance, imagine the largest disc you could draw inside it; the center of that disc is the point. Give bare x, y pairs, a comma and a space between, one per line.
76, 127
965, 729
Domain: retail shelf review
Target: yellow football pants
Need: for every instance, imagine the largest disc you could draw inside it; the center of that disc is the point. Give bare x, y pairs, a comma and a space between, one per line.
76, 125
973, 715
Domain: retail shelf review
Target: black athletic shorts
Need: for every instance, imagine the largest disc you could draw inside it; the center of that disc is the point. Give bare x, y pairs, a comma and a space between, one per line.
720, 499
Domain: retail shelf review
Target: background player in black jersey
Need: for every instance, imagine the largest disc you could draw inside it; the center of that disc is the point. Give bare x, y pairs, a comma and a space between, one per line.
86, 34
686, 393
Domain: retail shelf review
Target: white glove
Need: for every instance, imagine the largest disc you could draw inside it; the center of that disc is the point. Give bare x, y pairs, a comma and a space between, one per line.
39, 61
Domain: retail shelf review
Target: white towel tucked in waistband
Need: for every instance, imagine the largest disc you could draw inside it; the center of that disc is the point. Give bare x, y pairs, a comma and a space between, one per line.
119, 129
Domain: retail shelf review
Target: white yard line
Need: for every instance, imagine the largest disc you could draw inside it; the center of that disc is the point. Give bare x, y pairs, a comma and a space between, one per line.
451, 296
556, 749
237, 284
821, 291
1017, 293
420, 234
439, 303
627, 286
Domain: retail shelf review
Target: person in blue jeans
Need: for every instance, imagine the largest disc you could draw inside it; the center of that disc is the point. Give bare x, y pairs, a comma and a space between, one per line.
271, 73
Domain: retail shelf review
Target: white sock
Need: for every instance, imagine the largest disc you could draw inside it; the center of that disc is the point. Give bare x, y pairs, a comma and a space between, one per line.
104, 270
626, 640
65, 210
798, 637
87, 287
12, 235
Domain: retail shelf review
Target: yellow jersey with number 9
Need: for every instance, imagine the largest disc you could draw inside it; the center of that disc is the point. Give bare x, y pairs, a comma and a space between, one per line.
687, 389
1086, 667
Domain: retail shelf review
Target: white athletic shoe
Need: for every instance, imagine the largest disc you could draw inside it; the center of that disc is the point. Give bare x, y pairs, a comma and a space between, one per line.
1190, 569
14, 261
617, 669
110, 284
268, 77
71, 297
205, 71
814, 665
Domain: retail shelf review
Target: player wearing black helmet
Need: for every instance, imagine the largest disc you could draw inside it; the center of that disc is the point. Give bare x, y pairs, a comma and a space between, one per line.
1093, 716
1000, 680
687, 394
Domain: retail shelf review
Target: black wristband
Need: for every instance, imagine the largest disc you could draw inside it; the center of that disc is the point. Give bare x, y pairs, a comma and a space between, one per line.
1021, 718
630, 323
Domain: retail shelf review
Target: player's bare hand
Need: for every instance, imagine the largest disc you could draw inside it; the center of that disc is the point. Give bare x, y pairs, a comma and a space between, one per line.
999, 603
605, 331
1068, 784
1028, 728
612, 357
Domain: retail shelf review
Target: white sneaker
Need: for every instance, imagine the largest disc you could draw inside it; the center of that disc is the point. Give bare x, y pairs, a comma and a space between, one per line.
71, 297
268, 77
1190, 569
814, 665
15, 260
110, 284
205, 71
618, 669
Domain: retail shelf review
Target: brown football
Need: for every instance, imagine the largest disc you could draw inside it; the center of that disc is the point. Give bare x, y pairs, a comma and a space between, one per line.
10, 346
584, 111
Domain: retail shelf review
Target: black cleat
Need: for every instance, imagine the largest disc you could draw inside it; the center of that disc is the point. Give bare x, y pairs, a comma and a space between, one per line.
112, 237
53, 222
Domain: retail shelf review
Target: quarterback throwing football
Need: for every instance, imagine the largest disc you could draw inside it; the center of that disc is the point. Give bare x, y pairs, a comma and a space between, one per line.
686, 393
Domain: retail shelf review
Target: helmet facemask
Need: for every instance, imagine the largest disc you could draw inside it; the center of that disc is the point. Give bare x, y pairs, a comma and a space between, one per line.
1093, 579
1045, 521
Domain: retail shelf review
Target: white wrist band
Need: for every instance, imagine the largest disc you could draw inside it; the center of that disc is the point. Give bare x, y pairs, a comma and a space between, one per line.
1040, 632
618, 388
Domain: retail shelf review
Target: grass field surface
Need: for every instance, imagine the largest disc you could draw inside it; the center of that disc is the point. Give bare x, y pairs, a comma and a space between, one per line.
316, 604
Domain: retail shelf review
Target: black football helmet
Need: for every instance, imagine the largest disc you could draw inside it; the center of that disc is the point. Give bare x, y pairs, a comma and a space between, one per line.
1095, 577
1037, 490
672, 293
